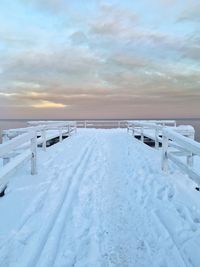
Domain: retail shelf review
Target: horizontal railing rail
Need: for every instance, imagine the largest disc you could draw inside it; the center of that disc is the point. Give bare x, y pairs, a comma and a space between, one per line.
177, 143
185, 147
21, 144
154, 130
11, 146
101, 123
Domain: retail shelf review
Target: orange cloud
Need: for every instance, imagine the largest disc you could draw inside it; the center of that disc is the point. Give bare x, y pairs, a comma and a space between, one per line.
48, 104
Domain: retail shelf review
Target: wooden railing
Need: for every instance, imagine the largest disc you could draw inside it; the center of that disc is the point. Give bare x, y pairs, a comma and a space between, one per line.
175, 147
46, 131
10, 147
101, 124
177, 143
21, 144
154, 130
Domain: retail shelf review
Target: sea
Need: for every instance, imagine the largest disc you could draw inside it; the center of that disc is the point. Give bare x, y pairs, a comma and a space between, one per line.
16, 123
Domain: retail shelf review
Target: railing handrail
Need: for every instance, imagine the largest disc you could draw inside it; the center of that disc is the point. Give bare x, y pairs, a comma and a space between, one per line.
185, 142
40, 127
16, 144
146, 124
157, 122
182, 129
49, 122
172, 137
12, 144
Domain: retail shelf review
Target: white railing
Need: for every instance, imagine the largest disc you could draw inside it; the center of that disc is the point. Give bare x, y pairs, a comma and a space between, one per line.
177, 143
142, 128
10, 147
154, 130
175, 147
45, 131
101, 123
21, 144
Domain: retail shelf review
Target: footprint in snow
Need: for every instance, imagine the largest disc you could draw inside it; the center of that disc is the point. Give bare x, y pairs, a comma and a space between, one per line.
166, 193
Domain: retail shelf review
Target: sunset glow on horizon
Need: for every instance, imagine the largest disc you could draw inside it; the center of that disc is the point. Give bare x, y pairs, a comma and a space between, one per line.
64, 59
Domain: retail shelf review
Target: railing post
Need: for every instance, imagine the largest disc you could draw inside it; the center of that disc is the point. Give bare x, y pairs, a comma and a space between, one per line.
156, 138
164, 153
34, 154
60, 135
44, 140
85, 124
142, 134
127, 125
69, 130
190, 157
133, 131
118, 124
190, 160
5, 138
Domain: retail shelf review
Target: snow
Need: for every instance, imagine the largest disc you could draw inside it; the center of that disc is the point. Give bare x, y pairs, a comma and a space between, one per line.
100, 199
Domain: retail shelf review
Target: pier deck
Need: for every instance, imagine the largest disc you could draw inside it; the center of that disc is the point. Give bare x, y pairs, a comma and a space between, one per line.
100, 198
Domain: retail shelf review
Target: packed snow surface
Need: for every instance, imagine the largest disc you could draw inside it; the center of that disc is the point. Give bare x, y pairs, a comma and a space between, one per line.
100, 199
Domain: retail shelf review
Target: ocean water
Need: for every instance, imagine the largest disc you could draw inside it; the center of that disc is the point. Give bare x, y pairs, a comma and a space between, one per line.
10, 124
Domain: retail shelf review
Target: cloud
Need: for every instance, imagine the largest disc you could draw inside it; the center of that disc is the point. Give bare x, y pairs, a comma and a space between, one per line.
109, 59
53, 6
112, 20
191, 14
53, 67
78, 38
48, 104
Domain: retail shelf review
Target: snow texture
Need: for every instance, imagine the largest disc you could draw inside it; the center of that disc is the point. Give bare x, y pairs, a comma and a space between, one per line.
100, 199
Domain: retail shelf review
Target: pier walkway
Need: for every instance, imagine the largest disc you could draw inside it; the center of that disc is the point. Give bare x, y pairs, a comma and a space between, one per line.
100, 198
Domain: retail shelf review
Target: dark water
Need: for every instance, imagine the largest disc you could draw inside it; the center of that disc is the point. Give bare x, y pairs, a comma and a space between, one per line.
9, 124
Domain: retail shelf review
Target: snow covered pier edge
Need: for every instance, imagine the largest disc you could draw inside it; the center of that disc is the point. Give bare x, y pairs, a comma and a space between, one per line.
102, 196
21, 144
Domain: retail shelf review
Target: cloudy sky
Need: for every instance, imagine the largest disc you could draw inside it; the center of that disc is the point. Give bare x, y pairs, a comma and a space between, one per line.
99, 59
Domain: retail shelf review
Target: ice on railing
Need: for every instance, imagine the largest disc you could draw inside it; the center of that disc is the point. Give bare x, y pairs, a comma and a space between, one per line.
17, 141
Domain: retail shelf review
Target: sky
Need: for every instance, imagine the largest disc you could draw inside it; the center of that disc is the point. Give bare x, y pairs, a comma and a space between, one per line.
62, 59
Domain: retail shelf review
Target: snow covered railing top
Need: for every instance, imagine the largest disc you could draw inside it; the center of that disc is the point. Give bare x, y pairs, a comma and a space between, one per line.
153, 122
177, 143
101, 123
153, 130
10, 147
175, 146
39, 126
21, 144
12, 144
187, 143
48, 123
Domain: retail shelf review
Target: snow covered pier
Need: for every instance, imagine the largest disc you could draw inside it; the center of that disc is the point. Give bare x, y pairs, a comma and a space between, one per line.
101, 198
